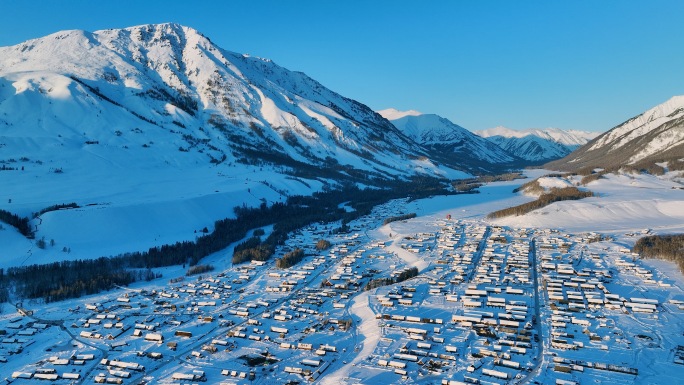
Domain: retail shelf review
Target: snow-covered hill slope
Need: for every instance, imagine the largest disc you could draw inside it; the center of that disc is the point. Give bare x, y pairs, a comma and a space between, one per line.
74, 87
156, 133
655, 135
538, 145
450, 141
623, 202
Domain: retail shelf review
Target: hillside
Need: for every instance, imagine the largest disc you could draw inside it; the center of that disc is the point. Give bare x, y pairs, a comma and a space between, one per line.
655, 135
96, 87
155, 133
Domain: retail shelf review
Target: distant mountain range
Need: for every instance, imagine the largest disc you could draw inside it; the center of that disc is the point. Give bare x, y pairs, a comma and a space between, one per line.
125, 139
653, 136
95, 105
497, 146
538, 145
449, 141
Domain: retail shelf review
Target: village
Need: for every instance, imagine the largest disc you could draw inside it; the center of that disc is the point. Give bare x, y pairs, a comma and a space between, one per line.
432, 300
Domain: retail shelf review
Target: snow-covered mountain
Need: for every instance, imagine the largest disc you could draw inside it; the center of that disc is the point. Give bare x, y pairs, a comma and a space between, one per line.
657, 134
155, 132
450, 141
120, 89
538, 145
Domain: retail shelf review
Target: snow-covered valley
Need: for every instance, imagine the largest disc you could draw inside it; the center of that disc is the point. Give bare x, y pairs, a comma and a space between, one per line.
173, 213
537, 298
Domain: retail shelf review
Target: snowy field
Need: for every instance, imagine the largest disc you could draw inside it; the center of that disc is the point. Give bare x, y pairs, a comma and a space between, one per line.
554, 296
173, 205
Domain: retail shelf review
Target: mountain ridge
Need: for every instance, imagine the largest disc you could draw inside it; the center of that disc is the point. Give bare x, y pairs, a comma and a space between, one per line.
537, 145
565, 137
154, 128
654, 135
230, 106
447, 140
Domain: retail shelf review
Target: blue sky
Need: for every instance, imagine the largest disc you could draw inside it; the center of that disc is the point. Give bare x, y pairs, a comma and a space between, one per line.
585, 65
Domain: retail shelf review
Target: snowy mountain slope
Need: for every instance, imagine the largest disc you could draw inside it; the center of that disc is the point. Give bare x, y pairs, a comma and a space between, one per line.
167, 77
537, 145
447, 140
654, 135
156, 133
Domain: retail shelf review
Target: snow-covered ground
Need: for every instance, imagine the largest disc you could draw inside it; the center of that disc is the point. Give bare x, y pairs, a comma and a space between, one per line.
170, 206
625, 202
539, 297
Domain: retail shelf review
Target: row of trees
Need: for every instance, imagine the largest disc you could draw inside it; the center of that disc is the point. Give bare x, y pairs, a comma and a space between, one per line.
226, 231
324, 207
199, 269
471, 185
21, 224
323, 244
401, 277
591, 178
666, 247
70, 279
290, 259
297, 213
257, 253
532, 187
554, 195
398, 218
55, 208
248, 250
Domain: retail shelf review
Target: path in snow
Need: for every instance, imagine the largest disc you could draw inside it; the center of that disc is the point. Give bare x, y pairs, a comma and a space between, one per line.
411, 259
367, 329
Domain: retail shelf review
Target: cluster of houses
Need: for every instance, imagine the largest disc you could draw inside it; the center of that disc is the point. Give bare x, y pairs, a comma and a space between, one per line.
588, 294
467, 319
507, 292
200, 319
486, 308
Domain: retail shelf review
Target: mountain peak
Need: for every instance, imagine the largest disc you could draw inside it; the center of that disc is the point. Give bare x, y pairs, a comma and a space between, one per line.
500, 131
394, 114
644, 123
447, 139
169, 28
165, 93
